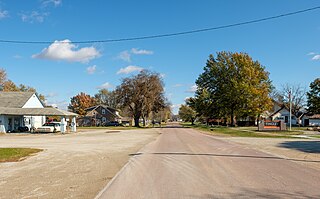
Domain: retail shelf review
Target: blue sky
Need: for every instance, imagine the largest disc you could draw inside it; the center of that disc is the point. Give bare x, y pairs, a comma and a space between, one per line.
287, 47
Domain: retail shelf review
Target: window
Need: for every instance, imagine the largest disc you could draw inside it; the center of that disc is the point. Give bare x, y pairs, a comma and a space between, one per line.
103, 111
104, 119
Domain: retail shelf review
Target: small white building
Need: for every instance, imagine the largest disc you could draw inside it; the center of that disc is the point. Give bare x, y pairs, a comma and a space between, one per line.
281, 112
25, 109
310, 120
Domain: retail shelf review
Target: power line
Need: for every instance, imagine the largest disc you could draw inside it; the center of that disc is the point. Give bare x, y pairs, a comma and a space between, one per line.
168, 34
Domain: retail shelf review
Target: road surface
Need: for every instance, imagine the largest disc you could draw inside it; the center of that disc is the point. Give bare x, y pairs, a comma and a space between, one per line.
183, 163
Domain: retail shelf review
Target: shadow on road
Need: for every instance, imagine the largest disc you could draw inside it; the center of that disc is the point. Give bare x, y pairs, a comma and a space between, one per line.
304, 146
225, 155
264, 193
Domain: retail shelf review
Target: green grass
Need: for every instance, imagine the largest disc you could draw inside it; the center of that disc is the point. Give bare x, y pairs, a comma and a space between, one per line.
241, 131
315, 136
16, 154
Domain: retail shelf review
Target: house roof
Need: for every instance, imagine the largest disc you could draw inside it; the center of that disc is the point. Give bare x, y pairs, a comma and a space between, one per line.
283, 106
314, 116
48, 111
109, 109
14, 99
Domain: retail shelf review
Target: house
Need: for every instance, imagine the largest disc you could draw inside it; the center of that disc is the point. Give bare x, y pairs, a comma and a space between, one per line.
25, 109
309, 119
281, 112
99, 115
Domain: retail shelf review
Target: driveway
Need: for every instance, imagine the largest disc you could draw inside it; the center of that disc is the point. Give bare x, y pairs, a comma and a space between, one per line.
71, 166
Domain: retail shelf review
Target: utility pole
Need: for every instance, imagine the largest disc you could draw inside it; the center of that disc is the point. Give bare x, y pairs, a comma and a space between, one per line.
290, 109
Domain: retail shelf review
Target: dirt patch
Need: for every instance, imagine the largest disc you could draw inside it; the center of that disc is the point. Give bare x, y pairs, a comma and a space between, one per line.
71, 166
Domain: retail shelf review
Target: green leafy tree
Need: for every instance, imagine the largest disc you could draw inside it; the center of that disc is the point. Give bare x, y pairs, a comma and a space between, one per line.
81, 102
187, 113
313, 96
233, 85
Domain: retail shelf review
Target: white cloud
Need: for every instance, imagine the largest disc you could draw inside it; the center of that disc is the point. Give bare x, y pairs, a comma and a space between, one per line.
129, 69
316, 57
174, 106
106, 85
55, 3
34, 16
192, 89
137, 51
125, 56
311, 53
66, 51
3, 14
91, 69
58, 104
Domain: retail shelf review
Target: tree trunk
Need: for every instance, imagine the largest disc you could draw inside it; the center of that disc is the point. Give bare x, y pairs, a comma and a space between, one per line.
144, 121
232, 117
136, 118
136, 122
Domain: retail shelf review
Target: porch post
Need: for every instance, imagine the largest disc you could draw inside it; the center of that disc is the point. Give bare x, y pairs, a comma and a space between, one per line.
63, 124
73, 124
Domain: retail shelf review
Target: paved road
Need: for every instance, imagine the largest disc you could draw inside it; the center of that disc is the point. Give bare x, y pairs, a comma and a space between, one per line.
182, 163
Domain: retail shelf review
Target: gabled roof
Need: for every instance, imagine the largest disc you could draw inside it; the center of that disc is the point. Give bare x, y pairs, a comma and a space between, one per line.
48, 111
280, 109
315, 116
109, 109
14, 99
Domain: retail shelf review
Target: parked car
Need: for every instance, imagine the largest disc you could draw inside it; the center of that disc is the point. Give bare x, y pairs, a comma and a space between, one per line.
50, 127
113, 123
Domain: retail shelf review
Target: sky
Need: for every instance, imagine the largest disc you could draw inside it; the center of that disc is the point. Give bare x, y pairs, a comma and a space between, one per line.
288, 47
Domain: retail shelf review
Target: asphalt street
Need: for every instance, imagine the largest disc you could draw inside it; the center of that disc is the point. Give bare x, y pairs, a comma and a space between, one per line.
183, 163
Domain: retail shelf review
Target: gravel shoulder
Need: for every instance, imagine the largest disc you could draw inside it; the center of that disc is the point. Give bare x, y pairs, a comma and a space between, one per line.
71, 166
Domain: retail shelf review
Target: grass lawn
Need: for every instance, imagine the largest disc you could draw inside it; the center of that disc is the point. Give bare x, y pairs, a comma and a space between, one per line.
241, 131
16, 154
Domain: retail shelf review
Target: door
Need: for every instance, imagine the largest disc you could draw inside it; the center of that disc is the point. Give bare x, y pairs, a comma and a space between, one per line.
306, 122
9, 124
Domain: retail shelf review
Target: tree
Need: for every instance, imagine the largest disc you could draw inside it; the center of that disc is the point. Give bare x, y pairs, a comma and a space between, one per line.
81, 102
9, 86
313, 96
233, 85
107, 98
141, 95
187, 113
297, 93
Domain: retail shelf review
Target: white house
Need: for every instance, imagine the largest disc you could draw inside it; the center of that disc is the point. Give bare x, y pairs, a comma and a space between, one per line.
281, 112
19, 109
310, 120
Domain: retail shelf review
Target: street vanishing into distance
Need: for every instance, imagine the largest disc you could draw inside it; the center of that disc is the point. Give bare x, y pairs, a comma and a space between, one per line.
183, 163
159, 99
